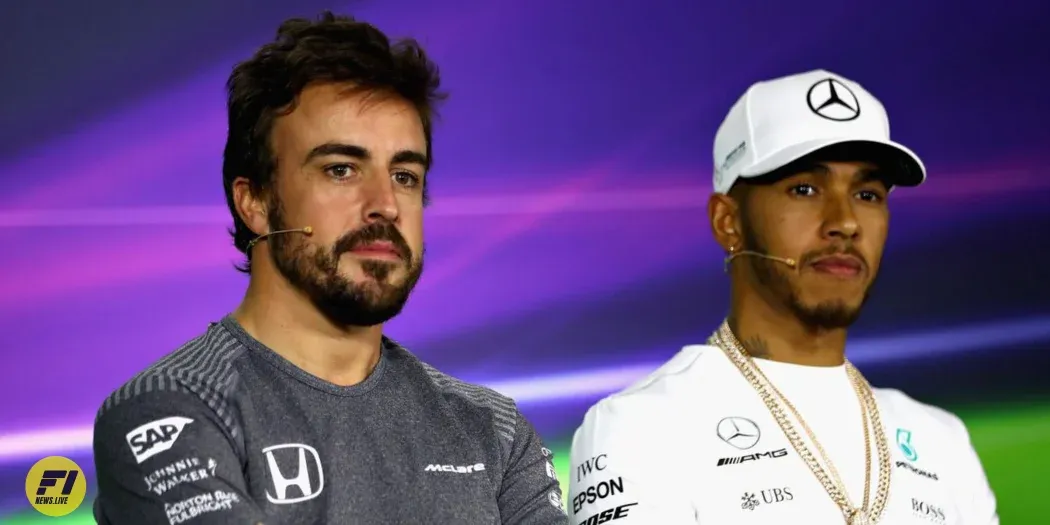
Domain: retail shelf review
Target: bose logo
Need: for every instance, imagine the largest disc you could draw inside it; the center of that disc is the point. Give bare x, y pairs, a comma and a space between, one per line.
156, 436
478, 467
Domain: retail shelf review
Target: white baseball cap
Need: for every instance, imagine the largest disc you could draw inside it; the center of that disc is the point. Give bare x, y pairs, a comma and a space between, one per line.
779, 121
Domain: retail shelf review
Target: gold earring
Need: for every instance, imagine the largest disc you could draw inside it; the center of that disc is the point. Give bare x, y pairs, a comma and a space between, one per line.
725, 263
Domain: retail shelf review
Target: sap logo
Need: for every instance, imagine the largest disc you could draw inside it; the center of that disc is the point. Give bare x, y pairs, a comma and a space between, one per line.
591, 465
155, 437
477, 467
596, 492
608, 515
925, 510
773, 454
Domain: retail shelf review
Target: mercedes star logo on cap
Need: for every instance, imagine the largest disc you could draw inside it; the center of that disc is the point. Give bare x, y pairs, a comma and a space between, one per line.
739, 432
832, 100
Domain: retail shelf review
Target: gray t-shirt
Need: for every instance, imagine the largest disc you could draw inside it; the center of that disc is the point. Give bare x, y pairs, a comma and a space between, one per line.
224, 430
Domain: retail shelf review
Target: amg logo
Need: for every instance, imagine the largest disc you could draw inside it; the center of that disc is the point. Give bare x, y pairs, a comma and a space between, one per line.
478, 467
919, 471
773, 454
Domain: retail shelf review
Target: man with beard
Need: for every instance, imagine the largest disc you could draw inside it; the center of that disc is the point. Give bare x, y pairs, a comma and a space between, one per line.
296, 408
768, 422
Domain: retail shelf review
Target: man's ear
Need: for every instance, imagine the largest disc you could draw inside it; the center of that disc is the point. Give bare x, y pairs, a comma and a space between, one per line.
251, 208
724, 213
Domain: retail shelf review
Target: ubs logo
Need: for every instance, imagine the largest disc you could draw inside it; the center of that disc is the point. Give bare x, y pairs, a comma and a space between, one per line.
751, 501
296, 472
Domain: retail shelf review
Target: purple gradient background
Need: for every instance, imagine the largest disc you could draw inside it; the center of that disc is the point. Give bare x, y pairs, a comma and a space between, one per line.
572, 170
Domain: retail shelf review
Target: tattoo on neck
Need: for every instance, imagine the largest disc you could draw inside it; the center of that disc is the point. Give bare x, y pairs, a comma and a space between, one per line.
756, 347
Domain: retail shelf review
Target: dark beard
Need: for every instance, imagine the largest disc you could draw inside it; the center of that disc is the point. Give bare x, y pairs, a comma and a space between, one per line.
315, 271
772, 275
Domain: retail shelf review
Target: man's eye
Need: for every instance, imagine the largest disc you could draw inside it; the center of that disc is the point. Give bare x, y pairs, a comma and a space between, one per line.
339, 171
803, 190
870, 196
406, 179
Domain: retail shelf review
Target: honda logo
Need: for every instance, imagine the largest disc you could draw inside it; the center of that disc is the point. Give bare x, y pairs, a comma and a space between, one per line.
298, 476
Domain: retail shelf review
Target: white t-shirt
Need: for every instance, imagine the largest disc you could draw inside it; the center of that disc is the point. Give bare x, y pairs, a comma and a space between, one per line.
694, 443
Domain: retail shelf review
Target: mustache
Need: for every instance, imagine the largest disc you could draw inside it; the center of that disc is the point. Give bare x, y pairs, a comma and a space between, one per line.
840, 249
375, 232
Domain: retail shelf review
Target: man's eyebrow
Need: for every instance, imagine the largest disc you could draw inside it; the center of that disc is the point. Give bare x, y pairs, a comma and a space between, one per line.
335, 148
406, 156
361, 153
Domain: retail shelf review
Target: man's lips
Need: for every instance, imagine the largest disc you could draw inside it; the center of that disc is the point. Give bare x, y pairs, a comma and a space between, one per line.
383, 249
839, 265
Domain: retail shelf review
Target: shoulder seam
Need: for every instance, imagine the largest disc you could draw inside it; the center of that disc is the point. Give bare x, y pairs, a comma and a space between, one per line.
202, 368
660, 374
504, 409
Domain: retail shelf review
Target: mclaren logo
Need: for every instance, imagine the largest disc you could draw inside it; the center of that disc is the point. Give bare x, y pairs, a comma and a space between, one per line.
456, 469
832, 100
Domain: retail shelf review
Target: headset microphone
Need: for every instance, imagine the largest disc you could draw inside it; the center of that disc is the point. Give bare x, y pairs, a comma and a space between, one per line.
309, 230
791, 263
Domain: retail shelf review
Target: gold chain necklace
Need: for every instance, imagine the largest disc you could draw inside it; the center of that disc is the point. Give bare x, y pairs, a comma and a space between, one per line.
836, 489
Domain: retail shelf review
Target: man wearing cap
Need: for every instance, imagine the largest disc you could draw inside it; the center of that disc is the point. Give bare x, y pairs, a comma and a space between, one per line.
767, 422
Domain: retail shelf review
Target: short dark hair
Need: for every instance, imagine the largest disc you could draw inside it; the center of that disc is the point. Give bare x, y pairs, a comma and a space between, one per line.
333, 48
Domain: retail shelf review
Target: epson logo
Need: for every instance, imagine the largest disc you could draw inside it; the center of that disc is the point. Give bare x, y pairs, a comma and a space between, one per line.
467, 469
773, 454
155, 437
596, 492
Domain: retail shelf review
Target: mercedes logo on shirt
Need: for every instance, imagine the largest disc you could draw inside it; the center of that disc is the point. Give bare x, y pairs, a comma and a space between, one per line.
739, 432
832, 100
